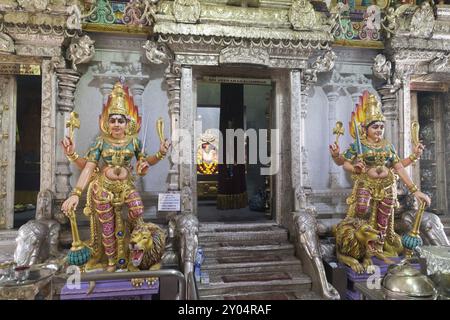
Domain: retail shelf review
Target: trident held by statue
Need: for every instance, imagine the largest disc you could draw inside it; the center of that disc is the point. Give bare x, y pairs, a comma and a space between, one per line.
338, 130
73, 122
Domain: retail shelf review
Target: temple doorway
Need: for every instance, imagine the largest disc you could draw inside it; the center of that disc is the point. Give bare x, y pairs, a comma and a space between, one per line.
431, 108
230, 186
28, 145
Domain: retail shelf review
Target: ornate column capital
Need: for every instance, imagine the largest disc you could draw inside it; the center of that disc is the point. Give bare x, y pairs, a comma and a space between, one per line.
67, 84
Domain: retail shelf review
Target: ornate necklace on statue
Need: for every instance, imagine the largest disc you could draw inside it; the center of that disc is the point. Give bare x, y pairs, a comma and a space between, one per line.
118, 142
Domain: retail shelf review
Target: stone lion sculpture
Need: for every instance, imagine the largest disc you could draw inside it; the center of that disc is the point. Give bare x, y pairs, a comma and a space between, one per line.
356, 243
147, 243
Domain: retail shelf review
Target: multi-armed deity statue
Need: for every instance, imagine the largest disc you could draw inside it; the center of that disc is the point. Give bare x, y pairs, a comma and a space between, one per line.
107, 176
368, 229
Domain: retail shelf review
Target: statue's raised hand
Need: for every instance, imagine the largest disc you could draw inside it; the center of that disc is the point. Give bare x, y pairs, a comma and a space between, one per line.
164, 147
420, 196
142, 167
334, 150
68, 146
418, 150
69, 204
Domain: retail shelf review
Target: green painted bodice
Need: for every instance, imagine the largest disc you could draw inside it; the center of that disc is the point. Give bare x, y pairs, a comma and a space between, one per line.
381, 154
115, 155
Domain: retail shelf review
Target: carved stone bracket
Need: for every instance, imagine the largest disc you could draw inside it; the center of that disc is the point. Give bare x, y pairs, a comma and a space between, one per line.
323, 63
382, 68
81, 50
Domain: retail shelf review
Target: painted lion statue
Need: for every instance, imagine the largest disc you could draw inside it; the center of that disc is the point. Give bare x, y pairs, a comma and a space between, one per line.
356, 243
147, 243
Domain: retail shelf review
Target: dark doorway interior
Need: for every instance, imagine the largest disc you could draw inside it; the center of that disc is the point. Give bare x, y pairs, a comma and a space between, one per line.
233, 191
28, 146
434, 135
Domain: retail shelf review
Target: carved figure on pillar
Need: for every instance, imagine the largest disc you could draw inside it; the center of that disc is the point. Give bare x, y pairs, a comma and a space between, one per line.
375, 168
111, 186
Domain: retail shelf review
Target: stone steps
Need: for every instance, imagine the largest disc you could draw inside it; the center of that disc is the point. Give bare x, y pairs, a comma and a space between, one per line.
232, 236
250, 261
272, 295
228, 250
8, 235
265, 284
285, 264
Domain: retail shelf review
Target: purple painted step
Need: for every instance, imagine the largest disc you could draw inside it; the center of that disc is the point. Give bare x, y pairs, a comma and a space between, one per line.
111, 290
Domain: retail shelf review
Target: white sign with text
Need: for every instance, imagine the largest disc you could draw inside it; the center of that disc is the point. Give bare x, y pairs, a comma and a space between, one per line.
169, 202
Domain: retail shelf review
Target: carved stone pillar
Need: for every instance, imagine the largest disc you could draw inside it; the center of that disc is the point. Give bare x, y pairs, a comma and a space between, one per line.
67, 83
188, 176
355, 93
390, 111
305, 87
296, 138
137, 89
173, 78
332, 93
404, 146
106, 87
48, 127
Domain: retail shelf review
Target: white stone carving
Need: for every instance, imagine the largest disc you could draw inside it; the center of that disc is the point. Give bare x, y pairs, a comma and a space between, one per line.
303, 17
186, 11
157, 53
33, 5
440, 63
81, 50
246, 54
422, 21
382, 68
6, 43
48, 127
74, 19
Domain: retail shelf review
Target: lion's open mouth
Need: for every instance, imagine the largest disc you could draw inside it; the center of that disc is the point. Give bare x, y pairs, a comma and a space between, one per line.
372, 245
136, 257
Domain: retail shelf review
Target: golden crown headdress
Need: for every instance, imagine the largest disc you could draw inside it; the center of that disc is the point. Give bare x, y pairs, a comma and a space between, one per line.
366, 111
120, 102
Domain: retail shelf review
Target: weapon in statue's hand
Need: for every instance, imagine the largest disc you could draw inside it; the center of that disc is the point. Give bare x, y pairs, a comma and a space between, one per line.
160, 129
145, 133
358, 140
415, 127
73, 122
338, 130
